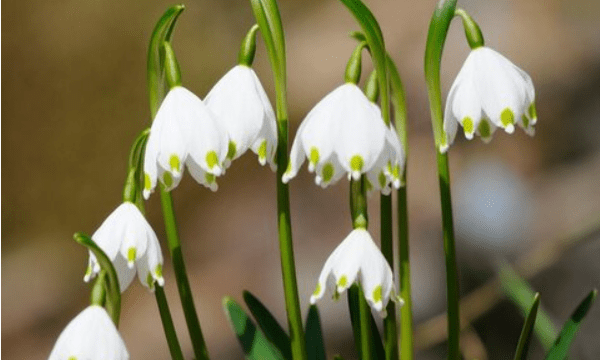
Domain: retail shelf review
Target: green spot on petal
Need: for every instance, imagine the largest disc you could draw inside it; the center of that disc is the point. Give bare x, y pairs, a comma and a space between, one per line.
72, 358
149, 280
343, 281
262, 150
467, 124
357, 163
327, 172
368, 184
158, 271
531, 111
317, 290
210, 178
211, 159
314, 155
174, 162
167, 179
525, 121
484, 129
131, 254
382, 179
507, 117
396, 172
147, 182
377, 294
231, 150
289, 167
88, 271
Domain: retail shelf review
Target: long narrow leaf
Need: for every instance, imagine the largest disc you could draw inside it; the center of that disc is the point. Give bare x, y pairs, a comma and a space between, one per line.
254, 343
268, 324
561, 346
524, 339
315, 346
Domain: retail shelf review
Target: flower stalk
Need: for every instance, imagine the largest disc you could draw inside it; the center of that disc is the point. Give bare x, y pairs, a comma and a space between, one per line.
436, 38
268, 19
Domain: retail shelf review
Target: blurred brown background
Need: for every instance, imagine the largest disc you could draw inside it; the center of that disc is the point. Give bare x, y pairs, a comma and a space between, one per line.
74, 98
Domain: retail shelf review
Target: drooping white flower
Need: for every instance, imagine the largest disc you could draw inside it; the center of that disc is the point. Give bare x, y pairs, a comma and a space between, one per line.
91, 335
129, 242
184, 132
243, 108
358, 259
489, 92
345, 133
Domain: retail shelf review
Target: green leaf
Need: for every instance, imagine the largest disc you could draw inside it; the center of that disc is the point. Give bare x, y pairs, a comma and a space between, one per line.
315, 345
114, 291
561, 346
374, 38
378, 351
162, 32
254, 343
524, 339
522, 295
269, 325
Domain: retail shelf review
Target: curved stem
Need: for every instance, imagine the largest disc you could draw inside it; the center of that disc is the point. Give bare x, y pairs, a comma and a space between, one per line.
183, 284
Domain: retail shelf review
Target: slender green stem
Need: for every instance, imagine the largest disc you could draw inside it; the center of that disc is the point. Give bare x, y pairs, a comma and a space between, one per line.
365, 326
406, 316
98, 294
450, 255
183, 284
167, 321
387, 248
268, 19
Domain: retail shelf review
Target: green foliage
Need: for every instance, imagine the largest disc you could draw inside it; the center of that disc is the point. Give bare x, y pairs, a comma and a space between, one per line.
269, 325
378, 351
315, 345
561, 346
524, 339
254, 342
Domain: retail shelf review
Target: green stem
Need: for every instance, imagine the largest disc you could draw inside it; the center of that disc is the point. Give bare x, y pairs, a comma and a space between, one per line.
450, 255
387, 248
183, 284
268, 19
167, 322
406, 316
365, 326
98, 294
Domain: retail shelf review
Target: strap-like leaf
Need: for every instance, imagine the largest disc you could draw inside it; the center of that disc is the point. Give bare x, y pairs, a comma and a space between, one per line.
254, 343
114, 291
162, 32
561, 346
374, 38
378, 351
269, 325
525, 338
315, 345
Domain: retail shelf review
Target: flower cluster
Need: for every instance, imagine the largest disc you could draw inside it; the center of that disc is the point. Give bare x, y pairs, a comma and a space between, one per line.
345, 133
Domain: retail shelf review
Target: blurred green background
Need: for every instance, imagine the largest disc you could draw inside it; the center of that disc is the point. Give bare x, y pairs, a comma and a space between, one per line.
74, 97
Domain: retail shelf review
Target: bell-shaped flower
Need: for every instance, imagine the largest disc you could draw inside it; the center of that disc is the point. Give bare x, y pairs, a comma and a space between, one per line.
129, 242
243, 109
489, 92
358, 259
91, 335
184, 132
343, 133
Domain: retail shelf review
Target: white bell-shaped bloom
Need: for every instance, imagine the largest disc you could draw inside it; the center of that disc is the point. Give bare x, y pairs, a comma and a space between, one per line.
184, 132
489, 92
243, 108
358, 259
129, 242
344, 133
91, 335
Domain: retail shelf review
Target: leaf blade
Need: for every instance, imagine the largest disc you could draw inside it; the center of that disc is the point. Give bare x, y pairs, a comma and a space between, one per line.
524, 339
315, 345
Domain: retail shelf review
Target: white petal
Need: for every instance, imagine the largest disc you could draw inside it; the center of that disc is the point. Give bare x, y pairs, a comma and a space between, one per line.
202, 177
376, 275
450, 125
237, 104
150, 161
348, 263
362, 132
173, 113
149, 267
91, 335
125, 273
329, 172
297, 156
466, 105
110, 234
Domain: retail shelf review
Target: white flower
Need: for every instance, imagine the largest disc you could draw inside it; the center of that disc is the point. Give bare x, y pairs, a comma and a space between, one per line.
358, 259
129, 242
489, 92
91, 335
345, 133
243, 108
184, 132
